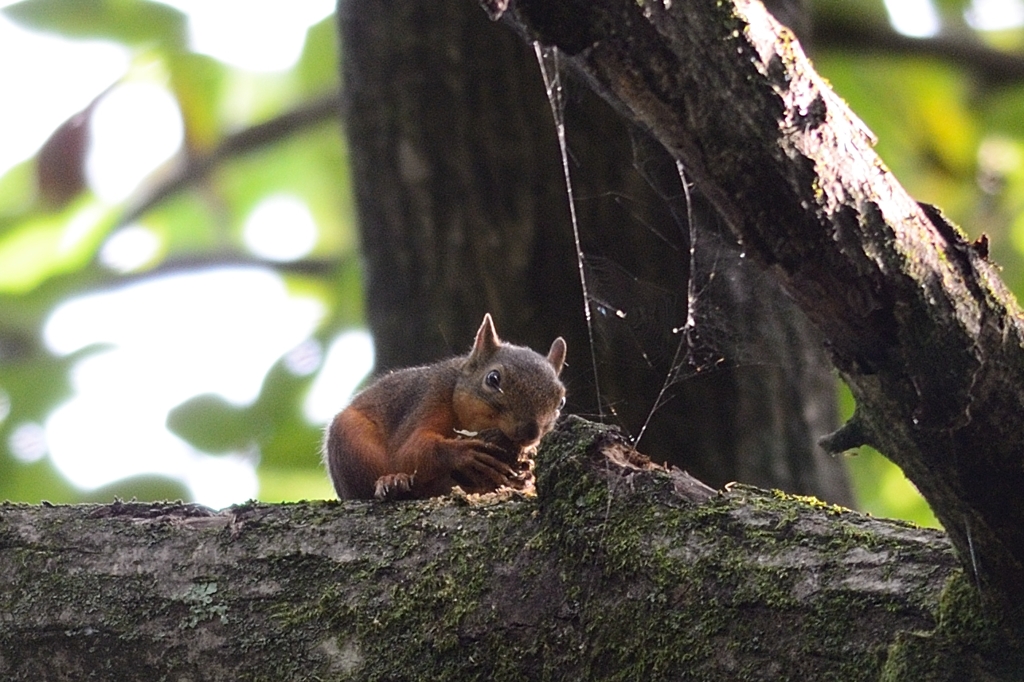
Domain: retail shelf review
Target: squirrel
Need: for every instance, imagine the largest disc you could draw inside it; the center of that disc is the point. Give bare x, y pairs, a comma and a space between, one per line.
419, 432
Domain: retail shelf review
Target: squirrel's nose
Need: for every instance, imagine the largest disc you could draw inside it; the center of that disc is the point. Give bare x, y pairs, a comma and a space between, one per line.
527, 432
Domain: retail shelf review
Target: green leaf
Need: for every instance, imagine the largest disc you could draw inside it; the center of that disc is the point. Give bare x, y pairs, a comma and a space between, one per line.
286, 440
35, 482
137, 23
212, 424
952, 11
144, 488
17, 191
198, 82
186, 224
47, 245
38, 383
317, 69
274, 423
35, 385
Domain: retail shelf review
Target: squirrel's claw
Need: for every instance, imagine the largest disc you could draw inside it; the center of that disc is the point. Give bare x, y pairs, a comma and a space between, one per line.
391, 486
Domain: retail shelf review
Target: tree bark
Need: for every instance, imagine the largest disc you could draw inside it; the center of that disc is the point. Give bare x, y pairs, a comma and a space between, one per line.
916, 319
463, 210
616, 570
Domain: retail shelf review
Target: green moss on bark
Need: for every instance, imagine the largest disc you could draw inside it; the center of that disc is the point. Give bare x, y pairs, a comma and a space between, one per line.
629, 566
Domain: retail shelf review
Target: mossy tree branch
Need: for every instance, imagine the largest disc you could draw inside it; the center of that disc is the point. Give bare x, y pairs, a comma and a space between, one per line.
916, 319
617, 570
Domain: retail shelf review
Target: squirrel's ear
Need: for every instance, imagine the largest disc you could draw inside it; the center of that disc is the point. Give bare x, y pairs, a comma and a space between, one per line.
556, 356
487, 340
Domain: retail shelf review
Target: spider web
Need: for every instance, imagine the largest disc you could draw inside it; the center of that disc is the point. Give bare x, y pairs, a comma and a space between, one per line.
676, 331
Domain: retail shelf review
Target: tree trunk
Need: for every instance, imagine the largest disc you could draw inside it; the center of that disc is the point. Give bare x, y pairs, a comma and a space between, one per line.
615, 570
463, 210
916, 319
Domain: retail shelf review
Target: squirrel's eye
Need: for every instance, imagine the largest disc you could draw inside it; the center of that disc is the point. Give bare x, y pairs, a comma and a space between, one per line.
493, 379
561, 403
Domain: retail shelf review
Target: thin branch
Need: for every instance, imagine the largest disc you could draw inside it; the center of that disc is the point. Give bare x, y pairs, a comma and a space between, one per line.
226, 259
238, 144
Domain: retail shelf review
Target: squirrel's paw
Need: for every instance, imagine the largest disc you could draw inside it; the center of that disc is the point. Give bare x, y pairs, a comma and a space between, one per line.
477, 471
502, 448
391, 486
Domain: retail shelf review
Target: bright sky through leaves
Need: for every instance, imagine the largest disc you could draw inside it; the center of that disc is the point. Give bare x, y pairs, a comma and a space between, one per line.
915, 18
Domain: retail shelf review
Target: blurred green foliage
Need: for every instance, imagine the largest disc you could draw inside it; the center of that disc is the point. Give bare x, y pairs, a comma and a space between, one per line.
200, 223
953, 138
136, 24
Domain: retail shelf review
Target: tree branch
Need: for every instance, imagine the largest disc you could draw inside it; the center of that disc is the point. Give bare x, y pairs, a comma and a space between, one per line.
238, 144
617, 569
916, 320
190, 263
